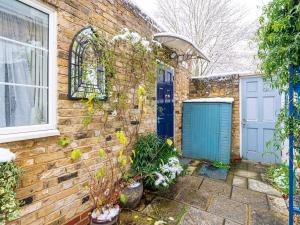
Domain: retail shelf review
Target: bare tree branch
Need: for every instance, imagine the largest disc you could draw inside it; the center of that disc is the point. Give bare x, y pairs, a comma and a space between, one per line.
217, 27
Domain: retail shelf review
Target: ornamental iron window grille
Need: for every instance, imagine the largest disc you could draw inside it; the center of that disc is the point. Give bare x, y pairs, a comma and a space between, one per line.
86, 74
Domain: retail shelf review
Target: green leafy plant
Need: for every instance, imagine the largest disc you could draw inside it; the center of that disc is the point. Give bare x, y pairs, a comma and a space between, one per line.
64, 141
278, 175
221, 165
279, 47
9, 181
156, 160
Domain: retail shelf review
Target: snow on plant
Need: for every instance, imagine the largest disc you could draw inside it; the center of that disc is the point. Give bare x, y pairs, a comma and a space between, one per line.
106, 215
168, 172
135, 38
6, 155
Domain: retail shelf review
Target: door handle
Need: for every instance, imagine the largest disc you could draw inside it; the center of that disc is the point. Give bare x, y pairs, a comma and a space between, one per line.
159, 119
243, 122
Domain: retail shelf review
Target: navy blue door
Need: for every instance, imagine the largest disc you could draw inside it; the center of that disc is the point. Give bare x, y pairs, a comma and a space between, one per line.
165, 102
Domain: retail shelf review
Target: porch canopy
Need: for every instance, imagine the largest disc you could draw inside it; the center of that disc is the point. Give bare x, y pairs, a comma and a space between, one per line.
181, 45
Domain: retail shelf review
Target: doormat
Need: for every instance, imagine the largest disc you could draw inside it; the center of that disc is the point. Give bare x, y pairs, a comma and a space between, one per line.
213, 172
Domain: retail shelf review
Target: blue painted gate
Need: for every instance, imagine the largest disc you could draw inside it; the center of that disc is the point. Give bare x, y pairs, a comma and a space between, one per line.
207, 130
294, 98
165, 102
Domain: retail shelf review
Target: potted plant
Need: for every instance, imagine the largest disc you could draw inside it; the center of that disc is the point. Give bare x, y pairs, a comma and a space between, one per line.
105, 184
133, 190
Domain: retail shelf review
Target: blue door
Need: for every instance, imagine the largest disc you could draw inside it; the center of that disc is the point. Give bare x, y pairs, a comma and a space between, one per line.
260, 105
165, 102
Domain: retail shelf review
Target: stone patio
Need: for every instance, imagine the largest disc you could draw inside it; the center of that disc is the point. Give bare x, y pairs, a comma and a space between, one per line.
244, 198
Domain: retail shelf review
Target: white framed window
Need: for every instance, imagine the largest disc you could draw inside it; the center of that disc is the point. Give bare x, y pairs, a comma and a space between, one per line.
28, 74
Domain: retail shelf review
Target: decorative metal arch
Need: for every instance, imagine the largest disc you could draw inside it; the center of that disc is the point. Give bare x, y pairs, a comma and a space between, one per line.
86, 77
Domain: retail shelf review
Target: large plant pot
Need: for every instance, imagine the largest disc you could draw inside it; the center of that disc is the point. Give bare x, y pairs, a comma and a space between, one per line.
113, 221
133, 195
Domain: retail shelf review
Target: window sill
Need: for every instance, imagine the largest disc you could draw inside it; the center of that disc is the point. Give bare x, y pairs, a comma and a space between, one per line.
28, 135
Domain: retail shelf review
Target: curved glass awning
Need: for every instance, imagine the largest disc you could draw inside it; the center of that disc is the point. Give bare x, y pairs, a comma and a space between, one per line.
181, 45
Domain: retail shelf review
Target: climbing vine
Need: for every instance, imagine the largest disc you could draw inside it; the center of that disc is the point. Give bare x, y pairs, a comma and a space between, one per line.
279, 47
130, 63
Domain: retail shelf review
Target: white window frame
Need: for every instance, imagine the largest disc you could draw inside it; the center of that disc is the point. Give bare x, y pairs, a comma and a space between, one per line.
9, 134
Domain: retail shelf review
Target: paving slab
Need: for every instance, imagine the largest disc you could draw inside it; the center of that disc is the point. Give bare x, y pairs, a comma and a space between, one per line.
191, 170
260, 186
196, 198
129, 217
146, 200
215, 187
195, 162
164, 209
247, 174
278, 205
192, 182
240, 166
171, 192
229, 222
264, 177
229, 178
229, 209
185, 182
195, 216
256, 200
257, 167
240, 182
258, 217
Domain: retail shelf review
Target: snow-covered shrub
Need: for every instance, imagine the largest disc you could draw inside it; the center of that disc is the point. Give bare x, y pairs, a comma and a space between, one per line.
135, 38
157, 161
9, 181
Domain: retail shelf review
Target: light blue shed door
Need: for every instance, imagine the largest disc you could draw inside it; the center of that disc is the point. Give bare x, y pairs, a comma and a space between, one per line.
260, 105
206, 130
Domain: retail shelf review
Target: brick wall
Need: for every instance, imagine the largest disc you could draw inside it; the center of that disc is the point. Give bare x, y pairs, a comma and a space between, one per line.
51, 185
181, 93
226, 86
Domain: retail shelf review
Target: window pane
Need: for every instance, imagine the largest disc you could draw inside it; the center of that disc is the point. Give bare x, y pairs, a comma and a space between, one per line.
23, 23
23, 106
23, 65
24, 33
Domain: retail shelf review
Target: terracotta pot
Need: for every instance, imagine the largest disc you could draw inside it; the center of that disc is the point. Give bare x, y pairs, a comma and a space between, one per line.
114, 221
133, 195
